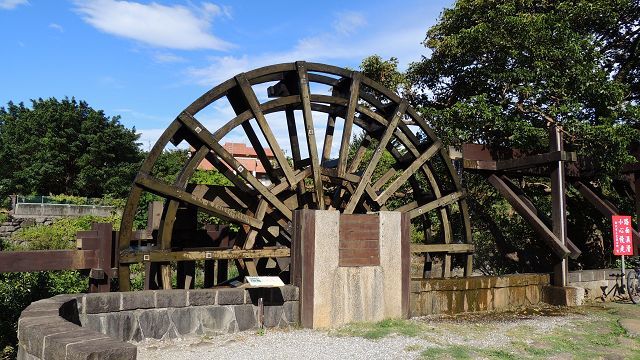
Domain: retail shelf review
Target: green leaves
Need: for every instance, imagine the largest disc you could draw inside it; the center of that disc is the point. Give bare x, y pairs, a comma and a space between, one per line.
65, 147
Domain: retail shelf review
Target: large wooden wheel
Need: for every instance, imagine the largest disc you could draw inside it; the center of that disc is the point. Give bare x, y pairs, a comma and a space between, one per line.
334, 174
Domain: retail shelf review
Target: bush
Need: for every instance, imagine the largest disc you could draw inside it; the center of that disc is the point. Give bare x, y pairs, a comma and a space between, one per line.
18, 290
61, 234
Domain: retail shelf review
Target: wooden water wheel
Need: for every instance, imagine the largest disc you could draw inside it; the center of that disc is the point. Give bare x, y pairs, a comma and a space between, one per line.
396, 163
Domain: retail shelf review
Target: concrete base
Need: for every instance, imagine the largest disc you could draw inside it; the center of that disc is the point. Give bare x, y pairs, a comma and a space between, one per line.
350, 268
563, 296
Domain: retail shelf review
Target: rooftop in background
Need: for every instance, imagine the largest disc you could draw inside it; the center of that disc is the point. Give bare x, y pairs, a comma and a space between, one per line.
242, 150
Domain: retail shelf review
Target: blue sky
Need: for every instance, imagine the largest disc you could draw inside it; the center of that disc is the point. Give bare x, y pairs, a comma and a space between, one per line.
146, 61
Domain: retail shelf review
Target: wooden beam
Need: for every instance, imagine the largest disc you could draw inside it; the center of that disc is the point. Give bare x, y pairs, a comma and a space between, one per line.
354, 96
446, 248
377, 154
202, 254
205, 136
305, 97
559, 249
437, 203
173, 192
254, 105
44, 260
409, 171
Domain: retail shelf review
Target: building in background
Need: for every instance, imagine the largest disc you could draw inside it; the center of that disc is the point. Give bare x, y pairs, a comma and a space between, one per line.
248, 158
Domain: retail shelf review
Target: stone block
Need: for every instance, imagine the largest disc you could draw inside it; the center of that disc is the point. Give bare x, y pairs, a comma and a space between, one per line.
245, 317
574, 276
101, 303
93, 322
55, 346
120, 325
217, 319
132, 300
500, 298
230, 296
31, 334
272, 316
185, 320
24, 355
171, 298
563, 296
101, 349
203, 297
154, 323
291, 312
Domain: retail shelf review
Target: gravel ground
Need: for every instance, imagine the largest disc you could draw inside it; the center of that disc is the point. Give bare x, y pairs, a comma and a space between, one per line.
484, 331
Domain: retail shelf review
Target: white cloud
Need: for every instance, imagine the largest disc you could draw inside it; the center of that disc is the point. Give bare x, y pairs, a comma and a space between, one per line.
57, 27
164, 57
348, 22
12, 4
176, 27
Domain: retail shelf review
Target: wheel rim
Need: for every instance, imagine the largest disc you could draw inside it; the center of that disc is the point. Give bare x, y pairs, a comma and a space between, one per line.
422, 181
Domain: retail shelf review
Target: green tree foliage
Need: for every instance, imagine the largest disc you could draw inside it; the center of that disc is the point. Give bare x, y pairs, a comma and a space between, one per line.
499, 73
65, 147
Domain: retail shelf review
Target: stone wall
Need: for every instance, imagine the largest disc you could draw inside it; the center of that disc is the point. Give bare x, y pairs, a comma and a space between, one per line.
478, 293
14, 224
594, 282
98, 326
30, 211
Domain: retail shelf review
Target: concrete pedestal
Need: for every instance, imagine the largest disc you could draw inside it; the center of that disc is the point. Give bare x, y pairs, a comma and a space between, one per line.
350, 268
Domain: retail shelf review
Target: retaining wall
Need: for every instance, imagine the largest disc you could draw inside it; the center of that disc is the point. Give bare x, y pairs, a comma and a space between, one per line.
478, 293
594, 282
28, 210
97, 326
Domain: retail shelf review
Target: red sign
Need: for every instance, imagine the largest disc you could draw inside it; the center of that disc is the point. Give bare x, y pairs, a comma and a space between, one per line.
622, 244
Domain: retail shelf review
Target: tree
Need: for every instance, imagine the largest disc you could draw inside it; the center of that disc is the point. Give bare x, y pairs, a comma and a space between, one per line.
500, 72
65, 147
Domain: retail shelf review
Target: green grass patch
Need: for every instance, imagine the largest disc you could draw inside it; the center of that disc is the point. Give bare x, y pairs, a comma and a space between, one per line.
381, 329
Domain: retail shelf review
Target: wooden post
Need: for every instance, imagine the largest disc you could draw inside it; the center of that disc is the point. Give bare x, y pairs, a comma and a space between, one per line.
100, 277
559, 205
152, 278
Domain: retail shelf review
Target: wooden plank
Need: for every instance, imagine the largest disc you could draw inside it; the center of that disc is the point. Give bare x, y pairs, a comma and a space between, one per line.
444, 248
173, 192
303, 83
377, 154
437, 203
354, 92
252, 102
205, 136
558, 205
44, 260
409, 171
160, 255
538, 226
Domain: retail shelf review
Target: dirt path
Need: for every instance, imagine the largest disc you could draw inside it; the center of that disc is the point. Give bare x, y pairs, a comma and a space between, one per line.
589, 332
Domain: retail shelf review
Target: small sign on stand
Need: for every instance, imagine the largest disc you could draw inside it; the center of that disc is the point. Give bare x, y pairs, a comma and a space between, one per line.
622, 242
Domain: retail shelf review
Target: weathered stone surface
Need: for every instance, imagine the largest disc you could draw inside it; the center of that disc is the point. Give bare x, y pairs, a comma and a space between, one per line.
154, 323
272, 316
170, 298
245, 317
217, 319
291, 311
101, 303
230, 297
24, 355
55, 346
202, 297
137, 300
101, 349
119, 325
93, 322
32, 334
289, 293
563, 296
185, 320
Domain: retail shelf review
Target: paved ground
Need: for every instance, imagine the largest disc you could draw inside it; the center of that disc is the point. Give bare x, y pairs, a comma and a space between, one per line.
589, 332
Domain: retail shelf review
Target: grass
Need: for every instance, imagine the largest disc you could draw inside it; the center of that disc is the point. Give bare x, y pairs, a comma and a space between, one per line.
592, 333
